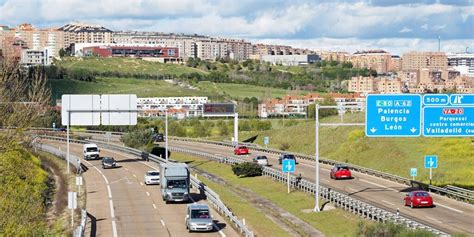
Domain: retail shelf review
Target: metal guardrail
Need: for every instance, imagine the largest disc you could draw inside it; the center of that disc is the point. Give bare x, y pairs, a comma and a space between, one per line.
455, 193
80, 230
338, 199
211, 196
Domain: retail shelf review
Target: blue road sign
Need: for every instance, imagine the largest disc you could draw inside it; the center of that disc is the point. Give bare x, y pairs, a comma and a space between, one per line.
413, 172
431, 162
288, 165
266, 140
448, 121
393, 116
462, 99
435, 99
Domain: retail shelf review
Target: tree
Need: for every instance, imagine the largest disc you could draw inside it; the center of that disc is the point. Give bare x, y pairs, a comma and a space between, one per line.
247, 169
62, 53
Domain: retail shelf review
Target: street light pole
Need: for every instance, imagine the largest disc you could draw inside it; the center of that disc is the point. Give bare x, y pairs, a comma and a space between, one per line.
316, 197
166, 134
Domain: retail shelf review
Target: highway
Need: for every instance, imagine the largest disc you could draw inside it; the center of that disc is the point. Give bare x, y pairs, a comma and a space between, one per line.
449, 215
119, 204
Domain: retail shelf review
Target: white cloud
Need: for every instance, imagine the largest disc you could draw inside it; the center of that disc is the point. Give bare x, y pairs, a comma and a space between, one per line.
438, 27
405, 30
424, 26
395, 46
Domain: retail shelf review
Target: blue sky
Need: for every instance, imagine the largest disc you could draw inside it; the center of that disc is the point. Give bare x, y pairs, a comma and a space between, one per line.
394, 25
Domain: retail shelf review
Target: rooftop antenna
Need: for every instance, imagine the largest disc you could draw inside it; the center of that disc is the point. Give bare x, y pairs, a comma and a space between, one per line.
439, 43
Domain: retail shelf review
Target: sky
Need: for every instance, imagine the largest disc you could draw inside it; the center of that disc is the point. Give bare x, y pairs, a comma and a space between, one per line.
344, 25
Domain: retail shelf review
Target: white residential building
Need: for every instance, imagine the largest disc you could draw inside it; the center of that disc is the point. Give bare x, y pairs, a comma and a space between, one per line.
179, 107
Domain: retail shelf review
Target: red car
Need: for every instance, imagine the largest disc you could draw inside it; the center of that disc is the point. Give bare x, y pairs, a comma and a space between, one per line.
340, 172
241, 150
418, 199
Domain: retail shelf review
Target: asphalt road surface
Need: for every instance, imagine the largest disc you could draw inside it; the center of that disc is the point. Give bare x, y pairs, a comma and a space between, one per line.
119, 204
448, 215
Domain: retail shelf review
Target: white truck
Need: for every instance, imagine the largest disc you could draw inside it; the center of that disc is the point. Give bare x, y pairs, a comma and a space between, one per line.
90, 151
174, 182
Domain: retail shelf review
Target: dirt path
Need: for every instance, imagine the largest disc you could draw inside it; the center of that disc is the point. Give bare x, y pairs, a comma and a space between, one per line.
290, 223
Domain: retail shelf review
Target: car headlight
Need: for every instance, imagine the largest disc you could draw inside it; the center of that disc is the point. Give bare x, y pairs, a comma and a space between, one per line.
194, 224
209, 224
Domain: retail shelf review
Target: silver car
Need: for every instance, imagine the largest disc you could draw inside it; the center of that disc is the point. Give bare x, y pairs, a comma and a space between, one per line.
152, 177
198, 218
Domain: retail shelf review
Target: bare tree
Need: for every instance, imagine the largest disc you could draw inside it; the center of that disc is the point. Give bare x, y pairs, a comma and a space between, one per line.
24, 97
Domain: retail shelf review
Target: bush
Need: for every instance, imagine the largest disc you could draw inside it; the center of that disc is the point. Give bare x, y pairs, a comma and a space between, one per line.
247, 169
284, 146
138, 138
369, 229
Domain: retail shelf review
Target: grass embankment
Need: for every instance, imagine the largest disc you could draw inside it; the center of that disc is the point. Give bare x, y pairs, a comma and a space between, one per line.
23, 188
110, 85
392, 155
126, 65
332, 223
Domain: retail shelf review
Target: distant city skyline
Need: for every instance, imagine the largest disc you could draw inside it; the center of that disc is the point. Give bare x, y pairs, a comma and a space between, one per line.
397, 26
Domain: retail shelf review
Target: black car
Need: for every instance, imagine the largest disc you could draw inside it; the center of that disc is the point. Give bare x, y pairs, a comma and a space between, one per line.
285, 156
108, 162
158, 137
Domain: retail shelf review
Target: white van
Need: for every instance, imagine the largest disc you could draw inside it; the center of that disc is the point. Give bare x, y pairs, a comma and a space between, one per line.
91, 151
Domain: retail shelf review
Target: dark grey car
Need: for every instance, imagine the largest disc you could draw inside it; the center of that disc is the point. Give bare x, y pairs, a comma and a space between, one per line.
109, 162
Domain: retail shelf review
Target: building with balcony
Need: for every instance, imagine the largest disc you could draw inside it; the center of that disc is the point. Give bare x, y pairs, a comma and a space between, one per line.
462, 62
413, 61
178, 107
290, 60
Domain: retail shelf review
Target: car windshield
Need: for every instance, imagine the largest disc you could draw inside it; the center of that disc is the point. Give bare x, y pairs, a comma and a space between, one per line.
261, 157
342, 168
200, 214
91, 149
108, 159
176, 184
422, 194
153, 173
289, 157
242, 147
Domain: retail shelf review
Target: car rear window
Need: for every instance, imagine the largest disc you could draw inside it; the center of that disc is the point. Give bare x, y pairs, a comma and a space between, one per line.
201, 214
261, 158
422, 194
108, 159
243, 147
153, 173
289, 157
343, 168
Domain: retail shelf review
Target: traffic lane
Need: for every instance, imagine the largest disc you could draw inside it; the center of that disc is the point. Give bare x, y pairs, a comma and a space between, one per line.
174, 222
97, 205
131, 211
172, 215
387, 195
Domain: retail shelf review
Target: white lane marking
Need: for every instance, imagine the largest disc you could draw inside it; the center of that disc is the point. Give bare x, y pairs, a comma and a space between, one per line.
379, 185
141, 183
109, 191
134, 175
355, 190
388, 202
434, 219
162, 222
325, 180
111, 204
450, 208
147, 193
126, 169
154, 206
114, 229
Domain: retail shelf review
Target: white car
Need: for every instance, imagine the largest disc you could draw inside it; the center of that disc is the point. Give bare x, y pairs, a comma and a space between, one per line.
261, 160
152, 177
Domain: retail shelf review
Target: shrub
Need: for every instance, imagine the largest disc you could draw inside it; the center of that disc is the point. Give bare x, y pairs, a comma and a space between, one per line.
138, 138
247, 169
369, 229
284, 146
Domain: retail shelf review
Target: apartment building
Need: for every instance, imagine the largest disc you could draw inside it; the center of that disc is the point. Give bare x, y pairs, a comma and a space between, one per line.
32, 57
378, 60
168, 54
295, 105
31, 38
76, 32
462, 62
395, 64
290, 60
420, 60
259, 50
382, 85
335, 56
178, 107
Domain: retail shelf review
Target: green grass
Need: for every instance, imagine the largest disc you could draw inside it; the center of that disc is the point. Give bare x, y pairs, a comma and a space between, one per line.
240, 91
126, 65
392, 155
332, 223
107, 85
